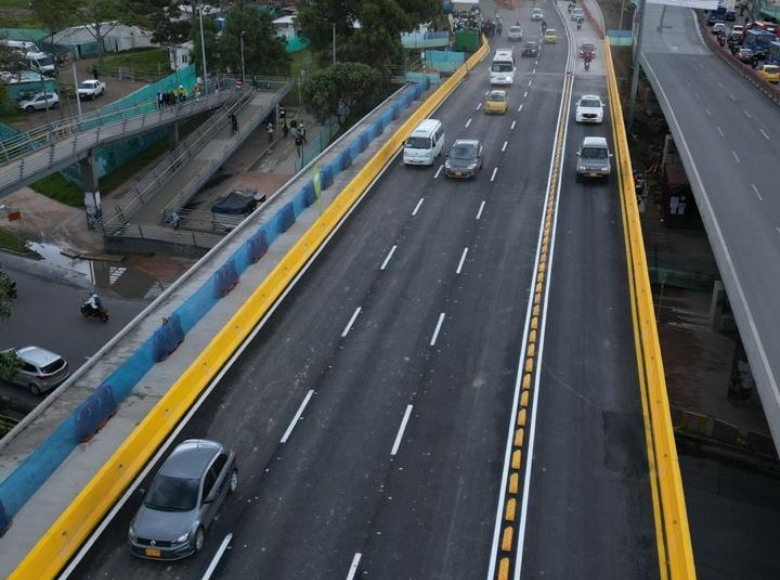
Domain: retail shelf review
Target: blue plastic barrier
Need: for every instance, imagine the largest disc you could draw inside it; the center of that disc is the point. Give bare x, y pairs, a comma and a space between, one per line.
346, 158
287, 218
326, 177
5, 521
167, 338
257, 246
225, 279
309, 195
92, 414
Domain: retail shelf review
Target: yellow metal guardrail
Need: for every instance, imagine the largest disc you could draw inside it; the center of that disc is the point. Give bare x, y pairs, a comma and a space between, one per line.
673, 535
61, 541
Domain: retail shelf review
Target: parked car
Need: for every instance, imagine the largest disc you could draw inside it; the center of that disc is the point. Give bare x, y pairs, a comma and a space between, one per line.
182, 500
550, 36
91, 89
530, 48
593, 159
464, 159
577, 15
515, 33
589, 109
41, 371
537, 14
588, 49
769, 72
40, 102
496, 102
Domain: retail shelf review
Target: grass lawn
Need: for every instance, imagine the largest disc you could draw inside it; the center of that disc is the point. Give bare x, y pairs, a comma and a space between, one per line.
154, 61
9, 242
57, 187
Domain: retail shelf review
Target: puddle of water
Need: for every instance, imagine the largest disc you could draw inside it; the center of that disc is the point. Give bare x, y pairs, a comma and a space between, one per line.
119, 277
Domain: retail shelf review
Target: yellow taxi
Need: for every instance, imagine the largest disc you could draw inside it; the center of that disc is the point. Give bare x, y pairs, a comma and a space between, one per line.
769, 72
550, 36
497, 102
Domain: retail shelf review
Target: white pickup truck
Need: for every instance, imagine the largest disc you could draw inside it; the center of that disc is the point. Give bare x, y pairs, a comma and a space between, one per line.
91, 89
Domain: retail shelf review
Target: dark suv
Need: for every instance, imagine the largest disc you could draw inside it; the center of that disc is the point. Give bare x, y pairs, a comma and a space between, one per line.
182, 500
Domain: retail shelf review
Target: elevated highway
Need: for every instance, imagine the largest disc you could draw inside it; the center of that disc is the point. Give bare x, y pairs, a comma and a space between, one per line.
453, 388
728, 137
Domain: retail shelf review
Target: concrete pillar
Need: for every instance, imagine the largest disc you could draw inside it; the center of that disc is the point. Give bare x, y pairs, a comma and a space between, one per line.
741, 382
721, 316
89, 177
173, 136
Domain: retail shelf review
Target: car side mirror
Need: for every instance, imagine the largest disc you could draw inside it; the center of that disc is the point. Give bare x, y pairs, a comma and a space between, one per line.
141, 492
611, 154
577, 153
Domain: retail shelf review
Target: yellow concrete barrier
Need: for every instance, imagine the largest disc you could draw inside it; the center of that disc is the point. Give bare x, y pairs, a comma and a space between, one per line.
674, 539
61, 541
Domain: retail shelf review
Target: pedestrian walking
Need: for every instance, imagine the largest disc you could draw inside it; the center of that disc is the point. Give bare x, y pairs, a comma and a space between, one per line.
95, 72
302, 131
282, 112
298, 144
270, 130
175, 220
285, 129
160, 101
234, 123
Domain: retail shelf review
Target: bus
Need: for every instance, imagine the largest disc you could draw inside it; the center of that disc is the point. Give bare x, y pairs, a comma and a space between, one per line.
502, 70
773, 55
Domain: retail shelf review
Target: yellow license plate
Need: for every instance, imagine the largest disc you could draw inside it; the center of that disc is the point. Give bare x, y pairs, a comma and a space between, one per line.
458, 174
152, 553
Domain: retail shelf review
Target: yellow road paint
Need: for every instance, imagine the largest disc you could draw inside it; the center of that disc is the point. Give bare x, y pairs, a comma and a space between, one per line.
506, 541
511, 508
514, 483
534, 320
519, 436
524, 398
531, 350
521, 418
535, 313
529, 365
517, 457
526, 382
503, 569
532, 337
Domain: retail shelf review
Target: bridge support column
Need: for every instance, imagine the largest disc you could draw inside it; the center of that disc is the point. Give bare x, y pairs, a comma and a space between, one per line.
89, 178
173, 136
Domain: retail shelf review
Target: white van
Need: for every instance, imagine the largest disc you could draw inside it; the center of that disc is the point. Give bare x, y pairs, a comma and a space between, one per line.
41, 62
425, 143
502, 69
20, 45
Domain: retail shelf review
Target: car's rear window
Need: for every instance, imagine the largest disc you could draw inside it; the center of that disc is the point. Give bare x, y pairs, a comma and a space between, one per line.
172, 494
53, 367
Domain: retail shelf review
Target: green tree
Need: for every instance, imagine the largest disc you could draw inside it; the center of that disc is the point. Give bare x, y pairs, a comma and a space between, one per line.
163, 18
100, 17
367, 31
264, 51
10, 364
346, 90
6, 308
54, 15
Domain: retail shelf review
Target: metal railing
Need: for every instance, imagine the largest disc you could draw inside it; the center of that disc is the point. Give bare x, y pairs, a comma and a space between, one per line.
150, 185
71, 140
167, 235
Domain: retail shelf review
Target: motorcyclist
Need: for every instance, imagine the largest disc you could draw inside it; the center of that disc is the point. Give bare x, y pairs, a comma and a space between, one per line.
544, 26
587, 58
579, 24
93, 303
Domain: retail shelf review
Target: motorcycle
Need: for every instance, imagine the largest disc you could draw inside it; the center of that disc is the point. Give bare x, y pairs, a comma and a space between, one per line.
579, 25
100, 312
11, 289
587, 64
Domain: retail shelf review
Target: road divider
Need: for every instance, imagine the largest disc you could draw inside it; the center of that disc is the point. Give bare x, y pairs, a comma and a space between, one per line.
61, 541
675, 553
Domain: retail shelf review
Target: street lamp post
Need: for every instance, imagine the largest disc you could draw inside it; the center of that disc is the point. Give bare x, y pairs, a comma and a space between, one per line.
203, 50
333, 25
243, 67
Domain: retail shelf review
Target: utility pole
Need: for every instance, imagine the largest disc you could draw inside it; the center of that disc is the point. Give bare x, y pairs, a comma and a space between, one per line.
203, 50
243, 67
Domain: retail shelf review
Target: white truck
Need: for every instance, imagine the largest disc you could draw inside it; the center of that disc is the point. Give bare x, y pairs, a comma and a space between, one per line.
91, 89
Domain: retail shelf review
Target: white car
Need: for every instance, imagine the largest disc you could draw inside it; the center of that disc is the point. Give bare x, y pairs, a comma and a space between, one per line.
40, 102
515, 33
590, 109
537, 14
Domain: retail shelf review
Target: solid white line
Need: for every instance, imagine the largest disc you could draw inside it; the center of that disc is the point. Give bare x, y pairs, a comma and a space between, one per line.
755, 189
764, 133
462, 260
481, 207
734, 153
417, 207
297, 417
354, 566
351, 322
722, 134
438, 328
468, 123
747, 114
495, 170
389, 255
706, 110
217, 557
401, 429
503, 148
436, 175
520, 109
513, 125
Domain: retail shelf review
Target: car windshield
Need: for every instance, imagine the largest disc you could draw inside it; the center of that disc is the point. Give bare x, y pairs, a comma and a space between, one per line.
463, 151
530, 45
87, 85
550, 32
497, 97
53, 366
172, 494
516, 29
501, 67
588, 48
590, 103
418, 143
594, 153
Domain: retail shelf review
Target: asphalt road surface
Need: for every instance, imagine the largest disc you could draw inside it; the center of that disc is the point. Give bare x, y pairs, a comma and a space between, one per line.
403, 340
